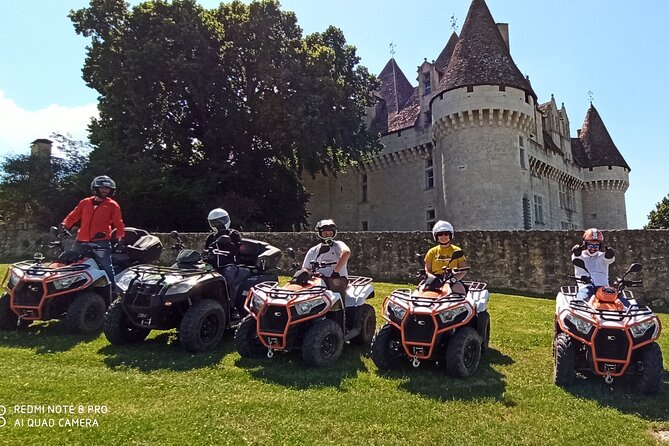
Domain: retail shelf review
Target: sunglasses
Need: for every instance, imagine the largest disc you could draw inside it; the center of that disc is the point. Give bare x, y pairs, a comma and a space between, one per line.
592, 245
439, 234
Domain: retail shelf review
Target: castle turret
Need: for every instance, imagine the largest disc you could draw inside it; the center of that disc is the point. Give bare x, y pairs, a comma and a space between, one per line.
605, 174
483, 112
41, 148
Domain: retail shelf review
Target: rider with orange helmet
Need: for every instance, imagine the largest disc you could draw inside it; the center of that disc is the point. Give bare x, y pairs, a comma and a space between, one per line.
597, 258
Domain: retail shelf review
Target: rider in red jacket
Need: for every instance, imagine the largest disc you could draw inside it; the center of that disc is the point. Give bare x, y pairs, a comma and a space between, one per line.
96, 216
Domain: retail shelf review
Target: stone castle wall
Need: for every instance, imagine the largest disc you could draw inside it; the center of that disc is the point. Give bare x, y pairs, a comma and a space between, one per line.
533, 262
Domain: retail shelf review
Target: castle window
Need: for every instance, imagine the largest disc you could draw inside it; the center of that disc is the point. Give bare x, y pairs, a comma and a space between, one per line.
527, 217
523, 156
363, 188
427, 87
470, 88
429, 173
364, 225
431, 218
539, 210
502, 88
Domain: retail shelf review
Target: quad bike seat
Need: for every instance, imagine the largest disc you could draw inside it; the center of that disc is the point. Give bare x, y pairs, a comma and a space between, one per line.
258, 254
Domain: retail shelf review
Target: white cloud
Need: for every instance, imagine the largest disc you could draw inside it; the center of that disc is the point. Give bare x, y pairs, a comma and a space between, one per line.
19, 127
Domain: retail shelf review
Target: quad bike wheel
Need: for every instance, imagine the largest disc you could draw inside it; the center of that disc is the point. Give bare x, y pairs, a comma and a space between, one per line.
8, 319
650, 381
366, 322
247, 343
202, 326
463, 353
564, 357
323, 343
483, 328
86, 313
387, 348
117, 326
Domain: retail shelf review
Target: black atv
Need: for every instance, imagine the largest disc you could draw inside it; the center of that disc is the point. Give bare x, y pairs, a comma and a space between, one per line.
191, 295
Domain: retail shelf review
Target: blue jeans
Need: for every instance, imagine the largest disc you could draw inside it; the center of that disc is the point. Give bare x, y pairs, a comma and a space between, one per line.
586, 292
103, 256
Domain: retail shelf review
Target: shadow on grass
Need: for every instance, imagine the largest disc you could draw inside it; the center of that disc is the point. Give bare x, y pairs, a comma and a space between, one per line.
162, 352
431, 380
45, 338
288, 369
622, 396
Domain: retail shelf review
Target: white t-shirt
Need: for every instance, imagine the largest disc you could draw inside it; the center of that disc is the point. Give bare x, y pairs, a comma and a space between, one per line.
331, 255
598, 265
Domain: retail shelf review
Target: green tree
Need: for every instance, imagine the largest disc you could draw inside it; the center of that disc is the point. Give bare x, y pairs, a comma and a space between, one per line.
659, 218
42, 190
231, 103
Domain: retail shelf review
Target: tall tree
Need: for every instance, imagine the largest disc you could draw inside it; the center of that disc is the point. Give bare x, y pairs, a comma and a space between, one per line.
210, 105
659, 218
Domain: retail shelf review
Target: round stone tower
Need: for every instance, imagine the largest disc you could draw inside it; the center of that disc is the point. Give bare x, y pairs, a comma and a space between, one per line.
605, 175
484, 107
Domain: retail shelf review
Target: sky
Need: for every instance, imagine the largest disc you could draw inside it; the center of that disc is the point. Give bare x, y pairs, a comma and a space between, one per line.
615, 49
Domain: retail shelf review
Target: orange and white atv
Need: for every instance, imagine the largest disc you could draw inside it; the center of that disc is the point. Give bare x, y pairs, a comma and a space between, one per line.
609, 334
431, 323
312, 313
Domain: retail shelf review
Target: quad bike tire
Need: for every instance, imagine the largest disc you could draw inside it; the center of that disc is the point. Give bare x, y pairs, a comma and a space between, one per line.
650, 380
9, 319
247, 343
323, 343
463, 353
86, 313
366, 322
118, 328
564, 370
202, 326
386, 348
483, 328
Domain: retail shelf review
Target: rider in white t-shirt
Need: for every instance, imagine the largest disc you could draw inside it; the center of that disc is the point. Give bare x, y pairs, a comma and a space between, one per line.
334, 252
597, 258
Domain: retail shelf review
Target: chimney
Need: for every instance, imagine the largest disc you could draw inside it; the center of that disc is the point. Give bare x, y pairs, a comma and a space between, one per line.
41, 148
504, 31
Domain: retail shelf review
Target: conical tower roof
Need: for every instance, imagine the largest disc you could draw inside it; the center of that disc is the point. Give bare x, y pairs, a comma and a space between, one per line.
445, 56
594, 146
481, 57
395, 89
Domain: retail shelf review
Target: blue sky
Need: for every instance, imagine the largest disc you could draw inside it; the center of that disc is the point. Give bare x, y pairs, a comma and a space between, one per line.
615, 48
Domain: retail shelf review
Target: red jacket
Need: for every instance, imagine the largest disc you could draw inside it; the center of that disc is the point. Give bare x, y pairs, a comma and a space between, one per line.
96, 219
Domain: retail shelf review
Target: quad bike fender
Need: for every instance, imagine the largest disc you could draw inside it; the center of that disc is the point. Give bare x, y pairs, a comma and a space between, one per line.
357, 295
212, 287
479, 300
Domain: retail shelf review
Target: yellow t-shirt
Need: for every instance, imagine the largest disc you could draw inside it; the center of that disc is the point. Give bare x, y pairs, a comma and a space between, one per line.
440, 256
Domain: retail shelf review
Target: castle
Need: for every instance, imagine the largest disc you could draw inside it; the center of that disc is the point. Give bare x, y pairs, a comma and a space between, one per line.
471, 144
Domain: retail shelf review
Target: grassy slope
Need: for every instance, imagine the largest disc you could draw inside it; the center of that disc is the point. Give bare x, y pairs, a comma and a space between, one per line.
157, 394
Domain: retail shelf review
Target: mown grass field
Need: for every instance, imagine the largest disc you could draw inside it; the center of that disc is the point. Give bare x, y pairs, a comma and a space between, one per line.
158, 395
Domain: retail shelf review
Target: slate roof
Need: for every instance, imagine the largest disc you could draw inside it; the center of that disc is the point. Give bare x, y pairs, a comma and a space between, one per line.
594, 146
395, 89
408, 115
481, 57
444, 57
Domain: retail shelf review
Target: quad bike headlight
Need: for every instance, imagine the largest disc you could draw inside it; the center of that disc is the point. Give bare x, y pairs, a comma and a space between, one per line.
14, 277
581, 324
181, 287
639, 330
306, 307
66, 282
449, 315
123, 280
398, 310
256, 303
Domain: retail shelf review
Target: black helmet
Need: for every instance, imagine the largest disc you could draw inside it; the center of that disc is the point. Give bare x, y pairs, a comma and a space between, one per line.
103, 181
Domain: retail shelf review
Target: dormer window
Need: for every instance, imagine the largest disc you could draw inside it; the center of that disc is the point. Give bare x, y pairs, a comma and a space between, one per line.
427, 85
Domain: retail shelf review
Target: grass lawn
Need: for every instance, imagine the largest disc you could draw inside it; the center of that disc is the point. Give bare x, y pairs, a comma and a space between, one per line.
156, 394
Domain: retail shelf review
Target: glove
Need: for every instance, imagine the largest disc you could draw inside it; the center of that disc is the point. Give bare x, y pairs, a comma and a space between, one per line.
334, 275
577, 250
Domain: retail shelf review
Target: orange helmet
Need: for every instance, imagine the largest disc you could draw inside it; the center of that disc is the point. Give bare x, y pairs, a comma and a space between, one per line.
594, 235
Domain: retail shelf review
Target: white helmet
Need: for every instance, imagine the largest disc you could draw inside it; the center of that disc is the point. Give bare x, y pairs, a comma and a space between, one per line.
218, 219
326, 225
442, 226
